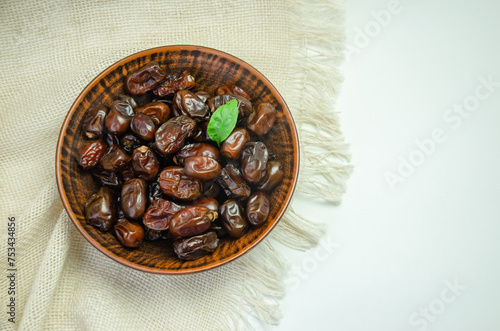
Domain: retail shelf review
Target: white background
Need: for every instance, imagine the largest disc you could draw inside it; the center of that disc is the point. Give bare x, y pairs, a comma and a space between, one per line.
396, 250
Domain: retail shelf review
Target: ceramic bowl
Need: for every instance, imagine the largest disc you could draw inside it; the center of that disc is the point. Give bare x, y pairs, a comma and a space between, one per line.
211, 68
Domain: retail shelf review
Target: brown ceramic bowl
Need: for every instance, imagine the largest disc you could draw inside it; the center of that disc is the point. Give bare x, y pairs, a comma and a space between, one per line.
211, 68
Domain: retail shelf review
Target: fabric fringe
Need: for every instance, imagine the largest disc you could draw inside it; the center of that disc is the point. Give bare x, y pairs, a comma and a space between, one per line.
261, 287
325, 164
298, 232
317, 55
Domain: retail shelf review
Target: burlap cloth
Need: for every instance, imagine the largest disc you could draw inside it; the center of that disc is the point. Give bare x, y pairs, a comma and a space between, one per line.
49, 51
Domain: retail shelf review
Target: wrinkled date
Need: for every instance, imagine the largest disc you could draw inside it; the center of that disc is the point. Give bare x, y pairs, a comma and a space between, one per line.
115, 159
254, 161
208, 202
128, 99
170, 137
233, 184
233, 218
232, 89
191, 221
274, 175
130, 142
159, 214
189, 104
145, 163
201, 134
145, 79
258, 207
93, 124
195, 247
158, 111
100, 209
143, 126
91, 153
119, 116
128, 233
174, 83
128, 172
154, 192
232, 146
133, 198
176, 184
262, 119
244, 105
197, 149
201, 167
204, 96
106, 177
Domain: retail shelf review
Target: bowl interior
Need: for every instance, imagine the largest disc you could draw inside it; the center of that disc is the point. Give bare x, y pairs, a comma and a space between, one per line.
211, 68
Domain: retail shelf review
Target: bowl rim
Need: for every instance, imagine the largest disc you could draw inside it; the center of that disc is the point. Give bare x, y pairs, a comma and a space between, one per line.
83, 93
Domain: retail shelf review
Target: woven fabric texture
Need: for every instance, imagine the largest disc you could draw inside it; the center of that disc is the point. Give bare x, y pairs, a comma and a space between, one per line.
50, 51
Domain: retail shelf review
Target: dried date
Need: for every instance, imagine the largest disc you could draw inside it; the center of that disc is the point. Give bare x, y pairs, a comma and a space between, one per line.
100, 209
176, 184
195, 247
145, 79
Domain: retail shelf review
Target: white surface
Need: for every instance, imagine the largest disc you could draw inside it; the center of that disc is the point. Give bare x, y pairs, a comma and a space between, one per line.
396, 251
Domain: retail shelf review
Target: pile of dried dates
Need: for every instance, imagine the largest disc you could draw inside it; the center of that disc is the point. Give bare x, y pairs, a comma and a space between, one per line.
161, 174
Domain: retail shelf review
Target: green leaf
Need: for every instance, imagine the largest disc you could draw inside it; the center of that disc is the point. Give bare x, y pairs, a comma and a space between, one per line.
223, 121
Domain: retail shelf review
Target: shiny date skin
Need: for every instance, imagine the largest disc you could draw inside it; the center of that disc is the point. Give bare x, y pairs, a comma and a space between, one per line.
106, 177
244, 105
154, 192
254, 161
159, 214
170, 137
208, 202
91, 153
262, 119
274, 176
128, 172
232, 89
158, 111
129, 234
176, 184
203, 95
145, 79
233, 218
201, 167
115, 159
232, 183
201, 134
195, 247
173, 83
130, 142
128, 99
133, 198
111, 139
191, 221
143, 126
145, 163
232, 146
258, 207
189, 104
119, 116
93, 123
196, 149
100, 210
